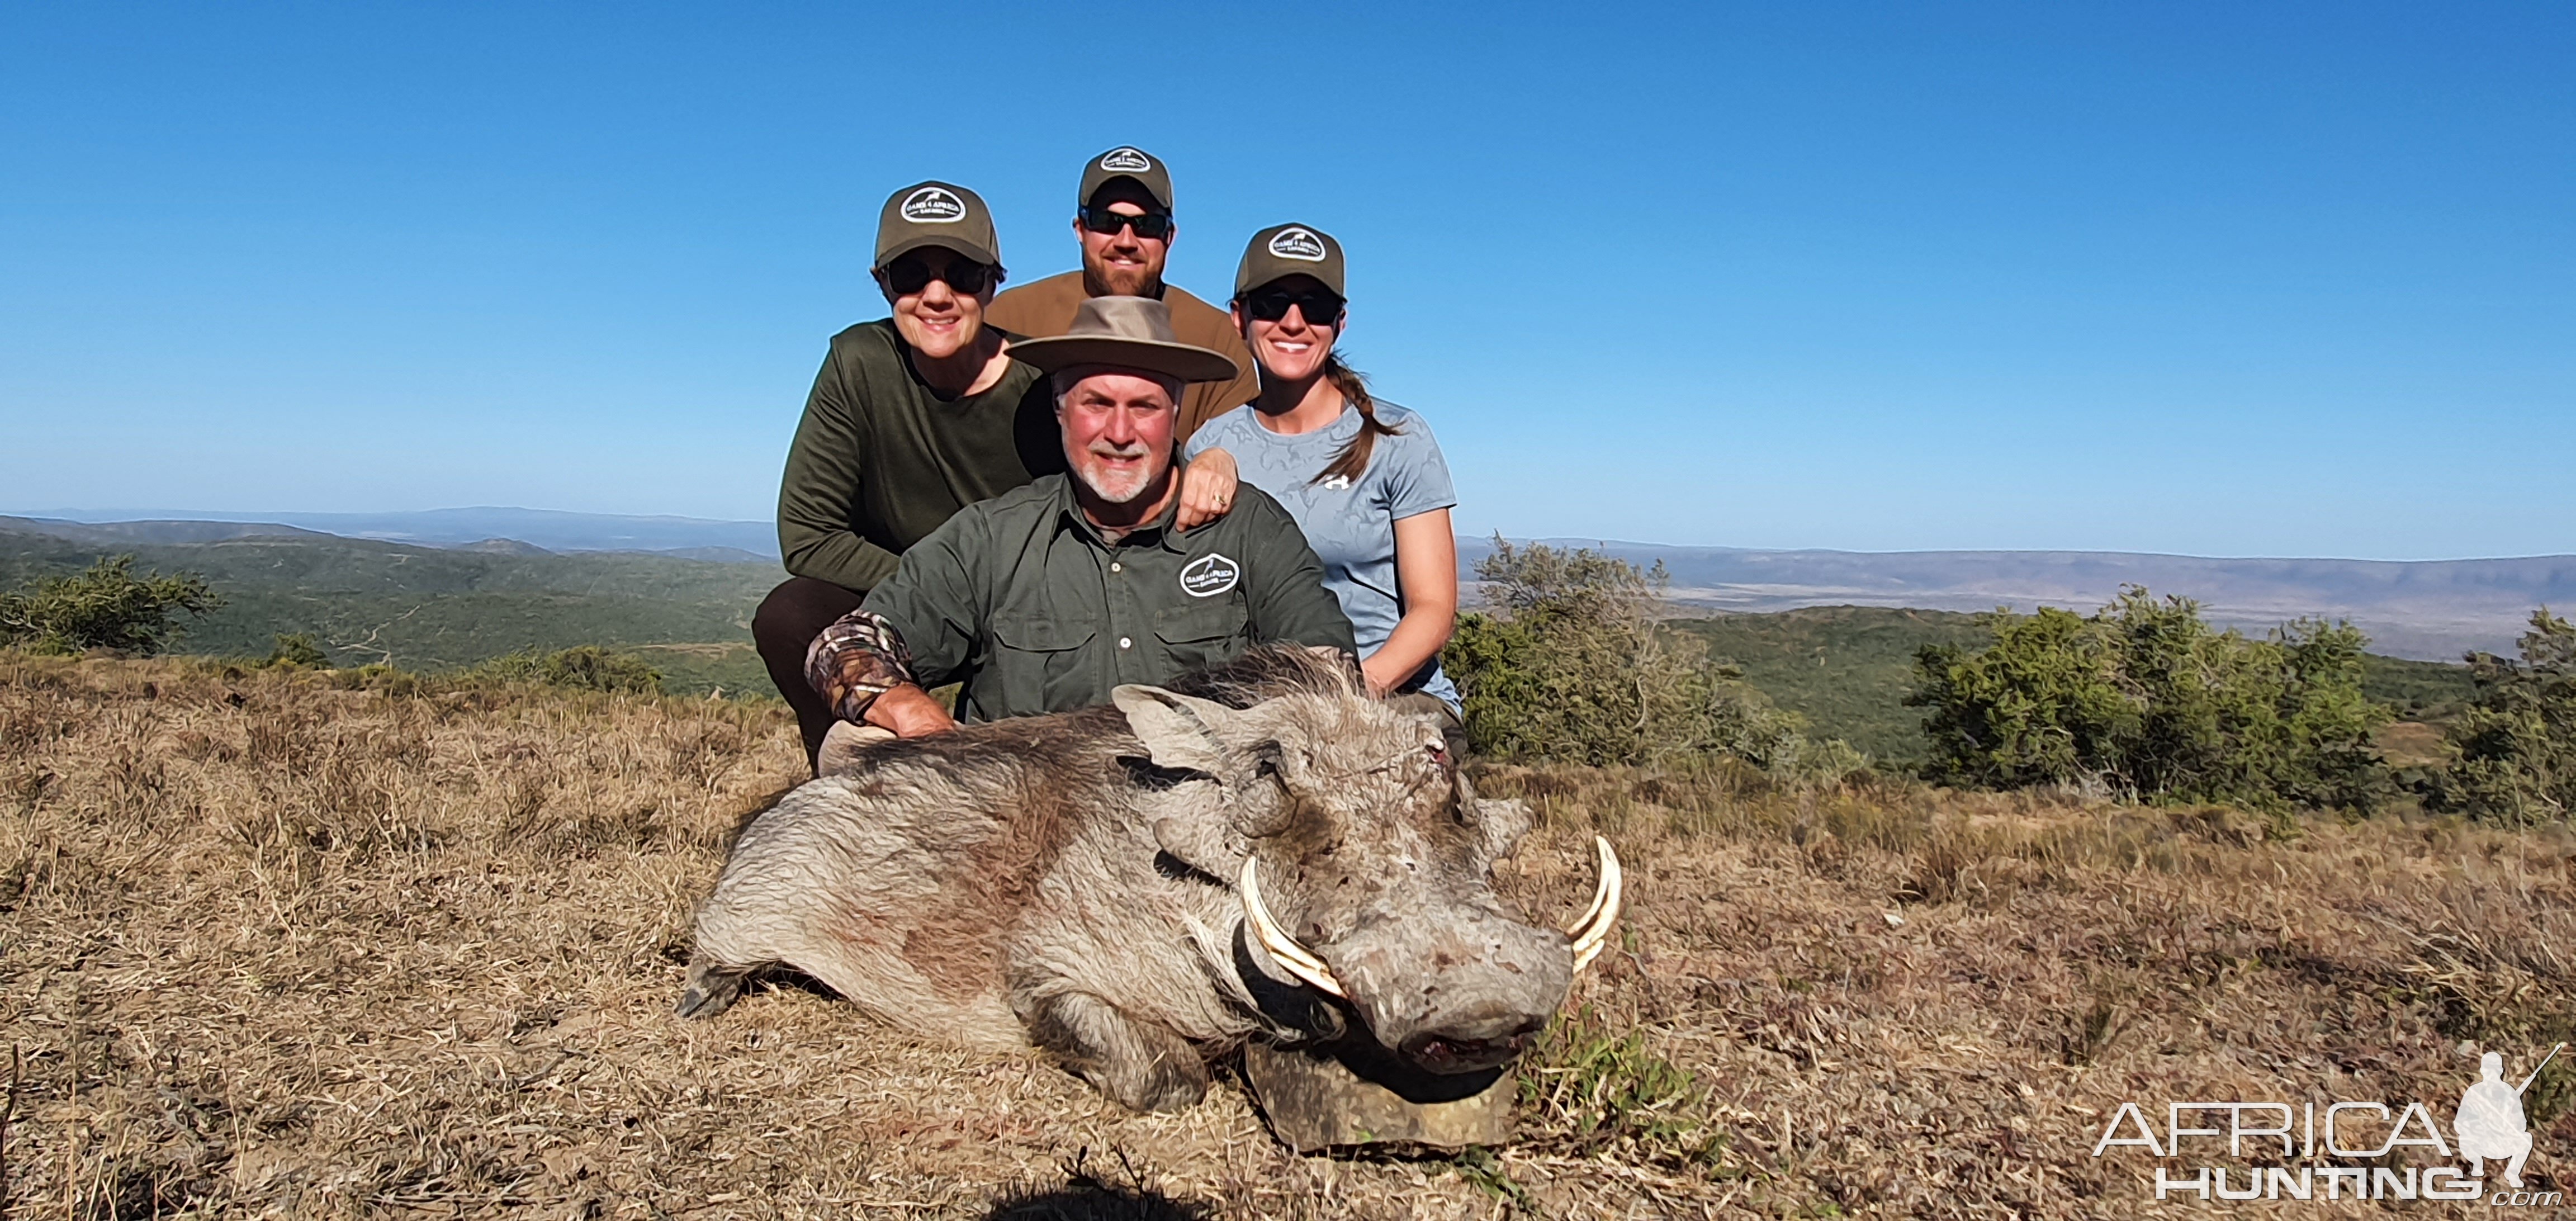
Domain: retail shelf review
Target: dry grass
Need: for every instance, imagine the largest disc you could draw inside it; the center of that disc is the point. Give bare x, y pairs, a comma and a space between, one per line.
267, 946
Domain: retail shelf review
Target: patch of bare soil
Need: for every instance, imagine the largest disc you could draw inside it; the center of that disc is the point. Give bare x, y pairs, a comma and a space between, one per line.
268, 947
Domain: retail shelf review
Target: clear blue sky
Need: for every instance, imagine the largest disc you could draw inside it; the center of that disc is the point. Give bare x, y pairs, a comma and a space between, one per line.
2214, 278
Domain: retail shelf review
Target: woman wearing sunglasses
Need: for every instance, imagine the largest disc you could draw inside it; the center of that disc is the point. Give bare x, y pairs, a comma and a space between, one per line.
1364, 479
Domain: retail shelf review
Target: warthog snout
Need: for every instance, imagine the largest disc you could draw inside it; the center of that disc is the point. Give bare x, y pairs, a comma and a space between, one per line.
1465, 1046
1458, 997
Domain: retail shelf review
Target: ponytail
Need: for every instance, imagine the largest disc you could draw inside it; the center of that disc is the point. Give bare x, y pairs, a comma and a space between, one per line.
1353, 461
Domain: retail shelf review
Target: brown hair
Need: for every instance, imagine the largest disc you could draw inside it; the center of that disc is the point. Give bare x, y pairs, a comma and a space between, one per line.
1353, 461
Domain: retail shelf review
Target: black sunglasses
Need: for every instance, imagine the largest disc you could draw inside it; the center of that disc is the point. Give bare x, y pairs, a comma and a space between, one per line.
1151, 226
911, 273
1320, 308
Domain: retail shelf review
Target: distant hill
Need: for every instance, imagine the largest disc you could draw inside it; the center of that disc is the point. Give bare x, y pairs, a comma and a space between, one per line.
547, 528
432, 608
2431, 609
1846, 668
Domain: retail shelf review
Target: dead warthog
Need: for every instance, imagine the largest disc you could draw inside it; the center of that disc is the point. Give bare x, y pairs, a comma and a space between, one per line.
1141, 887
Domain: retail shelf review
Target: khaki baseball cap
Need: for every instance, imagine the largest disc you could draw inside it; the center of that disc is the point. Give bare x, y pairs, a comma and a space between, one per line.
1126, 161
1281, 251
936, 214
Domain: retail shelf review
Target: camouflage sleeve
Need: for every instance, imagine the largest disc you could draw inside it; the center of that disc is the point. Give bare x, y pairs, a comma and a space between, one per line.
857, 659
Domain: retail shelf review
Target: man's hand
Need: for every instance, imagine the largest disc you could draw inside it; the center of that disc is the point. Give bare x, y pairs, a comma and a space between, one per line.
1207, 489
909, 712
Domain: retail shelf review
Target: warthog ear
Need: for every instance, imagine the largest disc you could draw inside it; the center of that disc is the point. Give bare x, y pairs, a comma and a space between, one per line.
1201, 822
1179, 731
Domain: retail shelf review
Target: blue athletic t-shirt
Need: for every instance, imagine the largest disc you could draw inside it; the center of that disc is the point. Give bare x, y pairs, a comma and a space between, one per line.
1350, 524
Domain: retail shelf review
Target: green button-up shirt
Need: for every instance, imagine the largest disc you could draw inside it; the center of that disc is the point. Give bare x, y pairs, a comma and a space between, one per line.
1023, 600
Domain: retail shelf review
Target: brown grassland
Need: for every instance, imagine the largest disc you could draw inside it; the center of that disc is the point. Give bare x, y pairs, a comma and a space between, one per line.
271, 946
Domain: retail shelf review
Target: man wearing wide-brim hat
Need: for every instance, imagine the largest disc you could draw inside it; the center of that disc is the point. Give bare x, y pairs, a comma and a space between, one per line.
1045, 598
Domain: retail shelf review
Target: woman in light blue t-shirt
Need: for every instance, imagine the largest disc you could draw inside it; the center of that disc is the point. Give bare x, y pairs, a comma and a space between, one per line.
1364, 479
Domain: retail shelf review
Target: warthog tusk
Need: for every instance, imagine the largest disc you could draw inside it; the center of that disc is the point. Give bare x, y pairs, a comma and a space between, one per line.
1299, 961
1591, 930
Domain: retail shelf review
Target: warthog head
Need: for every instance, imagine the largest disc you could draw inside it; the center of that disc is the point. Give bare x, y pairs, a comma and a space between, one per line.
1362, 858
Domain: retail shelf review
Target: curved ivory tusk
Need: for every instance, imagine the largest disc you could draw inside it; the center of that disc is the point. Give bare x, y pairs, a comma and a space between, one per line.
1298, 960
1591, 930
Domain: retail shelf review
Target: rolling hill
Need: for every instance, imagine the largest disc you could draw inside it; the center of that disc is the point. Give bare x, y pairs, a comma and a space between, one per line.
1845, 667
431, 608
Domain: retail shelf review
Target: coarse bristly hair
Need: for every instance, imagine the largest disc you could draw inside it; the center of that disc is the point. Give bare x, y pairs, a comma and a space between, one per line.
1271, 670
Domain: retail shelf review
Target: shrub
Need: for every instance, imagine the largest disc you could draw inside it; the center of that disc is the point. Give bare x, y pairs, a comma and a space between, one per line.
1574, 665
297, 651
586, 668
2143, 698
105, 607
2517, 738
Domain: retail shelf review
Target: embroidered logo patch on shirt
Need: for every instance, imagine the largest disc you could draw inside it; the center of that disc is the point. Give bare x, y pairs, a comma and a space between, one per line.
933, 206
1126, 161
1338, 483
1296, 242
1210, 575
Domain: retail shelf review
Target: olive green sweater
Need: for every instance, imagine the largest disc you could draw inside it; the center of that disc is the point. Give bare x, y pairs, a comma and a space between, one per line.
879, 461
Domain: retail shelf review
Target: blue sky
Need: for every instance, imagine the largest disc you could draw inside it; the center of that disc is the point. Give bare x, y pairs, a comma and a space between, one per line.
2219, 279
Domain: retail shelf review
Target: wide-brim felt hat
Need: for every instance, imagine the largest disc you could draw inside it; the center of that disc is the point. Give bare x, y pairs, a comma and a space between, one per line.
1125, 333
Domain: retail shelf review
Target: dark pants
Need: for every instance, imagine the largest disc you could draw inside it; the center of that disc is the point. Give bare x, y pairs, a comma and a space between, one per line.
783, 628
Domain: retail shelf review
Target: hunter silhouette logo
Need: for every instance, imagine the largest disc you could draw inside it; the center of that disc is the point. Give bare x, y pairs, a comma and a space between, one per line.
2306, 1151
1299, 243
1126, 161
1210, 575
933, 206
2490, 1122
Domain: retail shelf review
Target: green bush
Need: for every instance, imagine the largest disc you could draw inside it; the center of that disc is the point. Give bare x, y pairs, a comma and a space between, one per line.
297, 651
105, 607
2144, 699
586, 668
2517, 738
1574, 665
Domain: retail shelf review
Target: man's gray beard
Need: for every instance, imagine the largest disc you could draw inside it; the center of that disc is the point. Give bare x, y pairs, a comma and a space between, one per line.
1091, 479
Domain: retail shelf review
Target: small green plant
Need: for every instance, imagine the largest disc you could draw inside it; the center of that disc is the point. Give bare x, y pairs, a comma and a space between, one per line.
2517, 739
1486, 1173
379, 677
586, 668
297, 651
105, 607
1594, 1089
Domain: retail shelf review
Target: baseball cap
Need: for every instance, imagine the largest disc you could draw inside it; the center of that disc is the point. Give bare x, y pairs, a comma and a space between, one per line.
936, 214
1126, 161
1290, 250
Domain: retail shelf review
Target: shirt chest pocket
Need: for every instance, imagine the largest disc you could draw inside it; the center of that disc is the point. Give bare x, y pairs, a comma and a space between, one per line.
1208, 632
1040, 664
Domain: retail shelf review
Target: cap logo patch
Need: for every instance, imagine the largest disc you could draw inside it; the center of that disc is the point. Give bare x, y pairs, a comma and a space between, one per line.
1210, 575
1126, 161
932, 206
1297, 242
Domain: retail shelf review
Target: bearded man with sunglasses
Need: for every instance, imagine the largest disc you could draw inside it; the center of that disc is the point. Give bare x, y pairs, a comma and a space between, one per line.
1123, 218
913, 417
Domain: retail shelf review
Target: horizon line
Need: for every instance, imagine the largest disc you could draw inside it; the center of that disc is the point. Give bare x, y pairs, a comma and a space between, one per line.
119, 516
